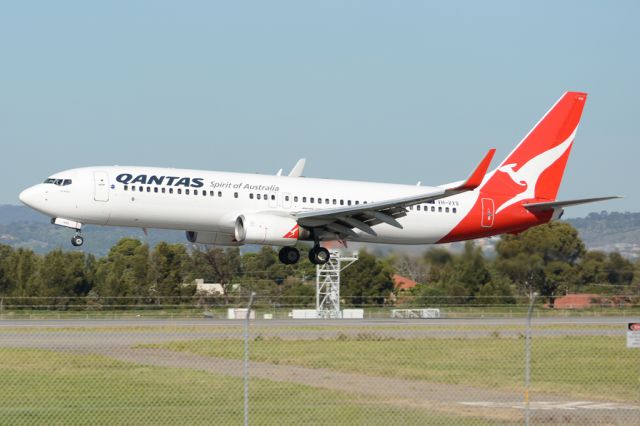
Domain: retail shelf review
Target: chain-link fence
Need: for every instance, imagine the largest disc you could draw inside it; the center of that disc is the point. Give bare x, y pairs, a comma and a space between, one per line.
196, 366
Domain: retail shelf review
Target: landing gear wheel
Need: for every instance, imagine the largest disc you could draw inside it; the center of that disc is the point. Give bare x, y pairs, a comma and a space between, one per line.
319, 255
77, 240
289, 255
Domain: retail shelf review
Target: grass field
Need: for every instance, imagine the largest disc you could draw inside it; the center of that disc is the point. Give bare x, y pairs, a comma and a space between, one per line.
581, 366
371, 312
41, 387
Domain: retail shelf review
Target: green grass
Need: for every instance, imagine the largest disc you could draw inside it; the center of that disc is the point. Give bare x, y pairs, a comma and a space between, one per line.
582, 366
81, 311
41, 387
264, 327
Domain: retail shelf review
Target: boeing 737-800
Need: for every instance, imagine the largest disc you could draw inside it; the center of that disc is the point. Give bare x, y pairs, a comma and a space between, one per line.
232, 209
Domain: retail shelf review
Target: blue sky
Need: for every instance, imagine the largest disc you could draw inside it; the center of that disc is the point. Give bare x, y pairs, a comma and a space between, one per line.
383, 91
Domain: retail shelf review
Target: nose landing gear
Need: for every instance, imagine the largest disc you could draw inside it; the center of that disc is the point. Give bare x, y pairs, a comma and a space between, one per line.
77, 240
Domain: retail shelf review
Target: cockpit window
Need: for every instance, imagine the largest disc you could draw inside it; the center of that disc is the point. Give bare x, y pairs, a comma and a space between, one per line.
59, 182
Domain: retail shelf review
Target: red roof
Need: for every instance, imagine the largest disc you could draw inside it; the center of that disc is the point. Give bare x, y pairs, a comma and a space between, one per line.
573, 301
403, 283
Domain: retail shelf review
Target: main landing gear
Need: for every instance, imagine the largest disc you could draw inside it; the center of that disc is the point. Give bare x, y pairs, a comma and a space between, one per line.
319, 255
77, 240
291, 255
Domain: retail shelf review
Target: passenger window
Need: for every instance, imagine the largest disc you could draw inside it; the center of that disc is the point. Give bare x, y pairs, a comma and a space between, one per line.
170, 190
140, 189
155, 189
418, 207
148, 189
126, 187
348, 202
258, 196
433, 209
304, 199
295, 198
311, 200
273, 197
204, 192
326, 201
266, 197
163, 190
319, 200
179, 191
342, 202
455, 210
195, 192
251, 196
446, 210
439, 209
357, 202
186, 191
211, 193
286, 198
235, 195
219, 193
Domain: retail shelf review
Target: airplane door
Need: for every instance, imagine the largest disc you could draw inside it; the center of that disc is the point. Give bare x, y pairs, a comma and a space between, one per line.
101, 186
487, 213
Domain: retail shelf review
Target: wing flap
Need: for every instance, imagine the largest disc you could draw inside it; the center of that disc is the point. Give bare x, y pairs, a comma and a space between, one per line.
388, 211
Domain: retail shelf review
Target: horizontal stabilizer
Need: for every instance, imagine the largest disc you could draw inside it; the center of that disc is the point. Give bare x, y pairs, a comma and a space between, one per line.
552, 205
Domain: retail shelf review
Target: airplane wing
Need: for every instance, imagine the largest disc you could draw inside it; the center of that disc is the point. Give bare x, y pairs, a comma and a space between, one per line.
552, 205
364, 216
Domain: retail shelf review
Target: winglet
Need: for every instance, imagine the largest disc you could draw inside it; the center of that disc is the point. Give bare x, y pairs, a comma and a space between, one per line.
475, 179
298, 168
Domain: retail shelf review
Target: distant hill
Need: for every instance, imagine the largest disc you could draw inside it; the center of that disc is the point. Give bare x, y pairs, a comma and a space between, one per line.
610, 232
22, 227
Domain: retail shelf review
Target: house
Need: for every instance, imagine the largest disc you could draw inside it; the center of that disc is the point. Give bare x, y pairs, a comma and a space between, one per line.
403, 283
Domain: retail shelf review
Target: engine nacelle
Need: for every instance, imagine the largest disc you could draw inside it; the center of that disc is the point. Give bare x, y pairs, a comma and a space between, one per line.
266, 228
207, 237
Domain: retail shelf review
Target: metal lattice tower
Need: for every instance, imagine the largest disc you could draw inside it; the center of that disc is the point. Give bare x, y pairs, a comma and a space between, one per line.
328, 284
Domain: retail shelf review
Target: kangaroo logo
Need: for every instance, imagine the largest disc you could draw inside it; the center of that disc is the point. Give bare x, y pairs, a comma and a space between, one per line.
527, 176
293, 233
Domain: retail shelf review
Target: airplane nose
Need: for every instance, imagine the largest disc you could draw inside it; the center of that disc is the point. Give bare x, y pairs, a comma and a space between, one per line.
29, 196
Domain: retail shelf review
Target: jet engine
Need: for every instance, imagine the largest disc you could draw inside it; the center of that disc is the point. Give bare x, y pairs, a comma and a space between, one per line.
267, 228
207, 237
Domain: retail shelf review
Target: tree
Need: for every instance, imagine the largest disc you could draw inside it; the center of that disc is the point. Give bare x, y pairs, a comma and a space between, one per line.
413, 267
6, 283
168, 269
366, 281
541, 259
124, 272
62, 274
217, 265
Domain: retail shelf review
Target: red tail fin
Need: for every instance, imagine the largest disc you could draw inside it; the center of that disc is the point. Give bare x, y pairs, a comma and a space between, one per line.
535, 167
532, 173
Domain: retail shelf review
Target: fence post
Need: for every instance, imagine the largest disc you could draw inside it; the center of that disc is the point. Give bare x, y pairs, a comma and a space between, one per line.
527, 362
245, 371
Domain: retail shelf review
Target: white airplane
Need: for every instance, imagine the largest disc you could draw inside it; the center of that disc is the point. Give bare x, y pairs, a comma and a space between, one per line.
232, 209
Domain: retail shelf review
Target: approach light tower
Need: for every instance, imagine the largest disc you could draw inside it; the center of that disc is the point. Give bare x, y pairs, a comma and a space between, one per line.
328, 284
